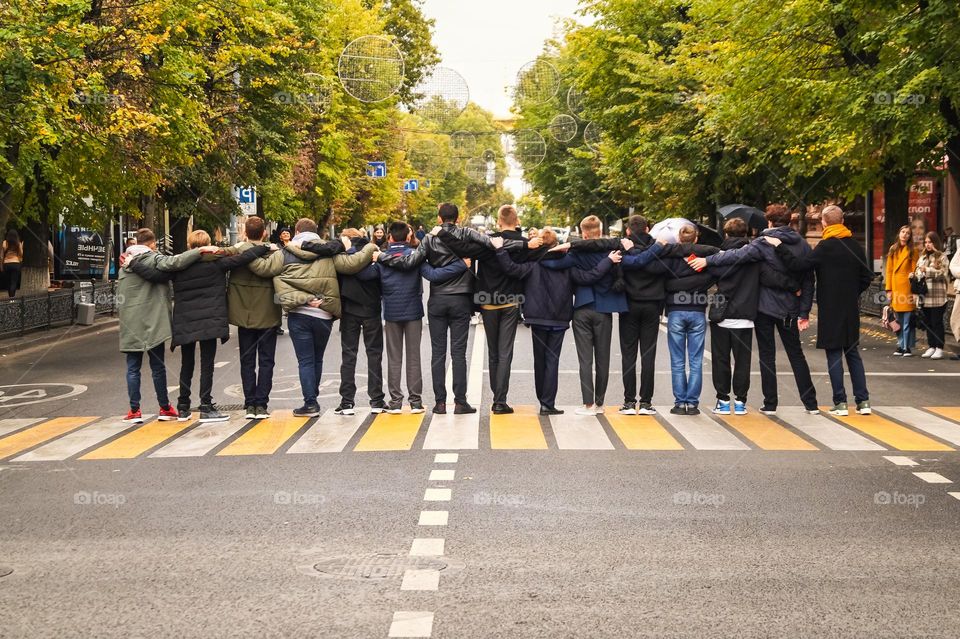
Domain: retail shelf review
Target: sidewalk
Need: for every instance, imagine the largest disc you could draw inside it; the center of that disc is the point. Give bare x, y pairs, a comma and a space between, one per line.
874, 326
49, 337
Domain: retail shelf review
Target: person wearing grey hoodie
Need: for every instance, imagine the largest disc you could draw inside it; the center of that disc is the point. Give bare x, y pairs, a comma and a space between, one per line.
778, 310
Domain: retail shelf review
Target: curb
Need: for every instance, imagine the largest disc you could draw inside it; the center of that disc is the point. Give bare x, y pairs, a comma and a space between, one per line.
38, 339
872, 322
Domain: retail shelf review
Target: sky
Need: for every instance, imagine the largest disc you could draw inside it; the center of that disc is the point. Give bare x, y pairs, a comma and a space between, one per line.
488, 41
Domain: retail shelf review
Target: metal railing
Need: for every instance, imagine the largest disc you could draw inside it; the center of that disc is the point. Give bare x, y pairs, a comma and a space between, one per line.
37, 311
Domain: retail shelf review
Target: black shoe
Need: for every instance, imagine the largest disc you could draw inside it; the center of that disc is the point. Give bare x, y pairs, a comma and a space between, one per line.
628, 408
501, 409
395, 409
251, 411
416, 408
908, 353
262, 412
646, 408
550, 411
440, 408
377, 407
768, 409
344, 409
183, 415
679, 409
307, 410
692, 410
211, 414
279, 330
464, 409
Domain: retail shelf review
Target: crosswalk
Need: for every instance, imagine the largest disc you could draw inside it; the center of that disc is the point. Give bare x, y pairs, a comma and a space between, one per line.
90, 438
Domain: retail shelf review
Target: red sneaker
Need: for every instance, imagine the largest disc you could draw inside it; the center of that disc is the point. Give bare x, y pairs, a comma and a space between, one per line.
133, 417
167, 414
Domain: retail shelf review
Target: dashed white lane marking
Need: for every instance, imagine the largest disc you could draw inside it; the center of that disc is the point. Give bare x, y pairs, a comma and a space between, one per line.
437, 494
442, 475
411, 623
954, 495
899, 460
433, 518
220, 364
446, 458
420, 579
933, 478
427, 547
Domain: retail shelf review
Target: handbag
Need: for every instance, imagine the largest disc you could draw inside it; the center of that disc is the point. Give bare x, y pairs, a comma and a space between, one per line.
890, 320
918, 285
718, 309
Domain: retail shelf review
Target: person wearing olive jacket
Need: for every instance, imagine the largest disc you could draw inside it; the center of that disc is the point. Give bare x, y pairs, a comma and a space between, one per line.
144, 305
306, 287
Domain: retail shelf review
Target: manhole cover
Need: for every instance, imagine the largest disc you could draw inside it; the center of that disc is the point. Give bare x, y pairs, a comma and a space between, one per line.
4, 571
378, 566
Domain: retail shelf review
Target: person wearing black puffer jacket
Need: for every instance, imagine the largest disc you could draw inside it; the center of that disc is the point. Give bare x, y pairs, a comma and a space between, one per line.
548, 309
200, 315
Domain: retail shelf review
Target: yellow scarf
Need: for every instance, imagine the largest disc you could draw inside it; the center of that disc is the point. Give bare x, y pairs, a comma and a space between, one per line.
836, 230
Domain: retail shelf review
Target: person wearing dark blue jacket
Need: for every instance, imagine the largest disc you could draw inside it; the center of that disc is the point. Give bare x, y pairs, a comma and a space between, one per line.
593, 309
403, 314
548, 308
777, 309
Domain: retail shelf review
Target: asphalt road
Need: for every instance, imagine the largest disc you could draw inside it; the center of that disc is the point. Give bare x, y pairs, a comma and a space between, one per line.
559, 542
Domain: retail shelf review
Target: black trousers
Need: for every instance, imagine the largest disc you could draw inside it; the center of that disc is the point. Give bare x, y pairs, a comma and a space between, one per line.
257, 346
639, 328
208, 353
546, 364
449, 314
500, 326
592, 332
725, 342
351, 327
765, 326
931, 321
11, 276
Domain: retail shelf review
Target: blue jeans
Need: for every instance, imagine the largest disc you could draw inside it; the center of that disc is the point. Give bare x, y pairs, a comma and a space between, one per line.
907, 337
686, 331
309, 336
157, 370
857, 374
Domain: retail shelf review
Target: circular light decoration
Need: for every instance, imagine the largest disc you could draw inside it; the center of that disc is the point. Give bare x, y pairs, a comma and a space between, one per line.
319, 92
463, 144
537, 82
476, 169
489, 156
563, 128
424, 157
574, 100
591, 136
529, 148
441, 96
371, 69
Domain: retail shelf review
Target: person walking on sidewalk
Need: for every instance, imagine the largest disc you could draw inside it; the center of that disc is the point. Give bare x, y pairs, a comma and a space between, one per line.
932, 269
548, 308
779, 310
144, 310
843, 275
200, 318
11, 262
902, 260
403, 313
307, 289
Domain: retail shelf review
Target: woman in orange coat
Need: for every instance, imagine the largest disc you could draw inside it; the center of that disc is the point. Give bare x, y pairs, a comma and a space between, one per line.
901, 262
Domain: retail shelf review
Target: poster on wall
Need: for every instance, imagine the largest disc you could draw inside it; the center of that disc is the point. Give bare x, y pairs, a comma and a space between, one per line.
921, 207
81, 253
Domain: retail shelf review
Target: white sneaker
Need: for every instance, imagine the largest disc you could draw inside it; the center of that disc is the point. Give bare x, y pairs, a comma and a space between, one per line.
937, 354
586, 410
930, 351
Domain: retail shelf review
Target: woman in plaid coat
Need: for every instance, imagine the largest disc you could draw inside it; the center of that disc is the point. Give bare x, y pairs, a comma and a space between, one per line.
933, 267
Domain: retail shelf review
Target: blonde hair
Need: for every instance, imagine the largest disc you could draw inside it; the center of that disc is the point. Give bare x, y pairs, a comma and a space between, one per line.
198, 238
591, 224
352, 233
831, 215
549, 237
687, 234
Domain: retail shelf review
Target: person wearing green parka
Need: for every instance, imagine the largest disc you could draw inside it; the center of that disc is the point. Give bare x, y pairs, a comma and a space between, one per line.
306, 288
145, 310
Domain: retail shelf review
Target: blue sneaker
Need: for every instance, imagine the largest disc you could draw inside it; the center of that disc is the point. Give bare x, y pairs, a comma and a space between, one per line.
739, 408
722, 408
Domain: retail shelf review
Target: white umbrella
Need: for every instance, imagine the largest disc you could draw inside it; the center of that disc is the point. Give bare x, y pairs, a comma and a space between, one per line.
669, 229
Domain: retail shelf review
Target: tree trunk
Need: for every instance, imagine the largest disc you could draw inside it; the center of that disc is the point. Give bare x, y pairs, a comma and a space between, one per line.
148, 210
895, 204
35, 276
178, 233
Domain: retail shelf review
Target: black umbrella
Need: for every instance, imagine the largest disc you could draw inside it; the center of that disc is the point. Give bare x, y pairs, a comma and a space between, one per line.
751, 215
708, 236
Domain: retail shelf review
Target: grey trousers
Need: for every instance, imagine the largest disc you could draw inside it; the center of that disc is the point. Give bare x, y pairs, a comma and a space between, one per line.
592, 332
396, 334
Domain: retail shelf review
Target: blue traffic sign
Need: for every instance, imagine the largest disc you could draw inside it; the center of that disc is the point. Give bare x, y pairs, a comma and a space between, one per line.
411, 185
377, 169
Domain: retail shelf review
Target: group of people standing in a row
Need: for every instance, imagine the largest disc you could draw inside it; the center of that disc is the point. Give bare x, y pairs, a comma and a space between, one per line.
917, 283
